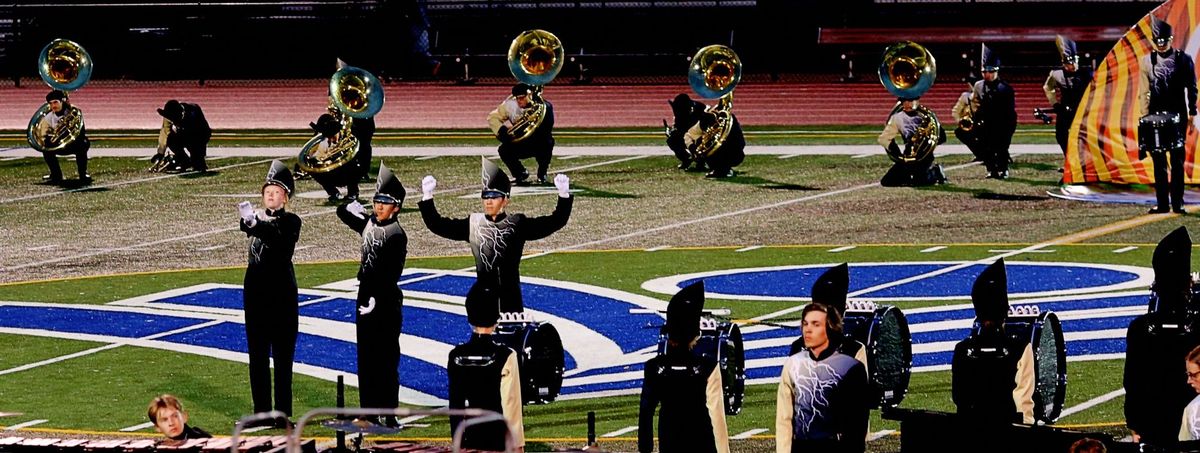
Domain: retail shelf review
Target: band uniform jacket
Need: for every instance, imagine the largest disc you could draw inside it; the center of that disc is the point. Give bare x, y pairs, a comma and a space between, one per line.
50, 121
1071, 87
270, 276
962, 106
497, 243
1168, 84
822, 403
1156, 390
484, 375
508, 112
731, 153
692, 417
994, 104
992, 379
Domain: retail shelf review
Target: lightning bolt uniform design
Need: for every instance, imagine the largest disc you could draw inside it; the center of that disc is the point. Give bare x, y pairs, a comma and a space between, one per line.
818, 386
492, 239
373, 237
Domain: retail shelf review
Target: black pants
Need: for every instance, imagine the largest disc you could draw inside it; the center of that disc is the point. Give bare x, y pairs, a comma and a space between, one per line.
271, 324
918, 173
1062, 127
347, 175
539, 148
1168, 192
364, 160
675, 143
994, 143
181, 144
378, 336
971, 139
79, 148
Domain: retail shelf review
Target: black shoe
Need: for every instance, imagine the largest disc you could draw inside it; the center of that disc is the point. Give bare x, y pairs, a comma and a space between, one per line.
1158, 210
939, 175
176, 169
334, 199
684, 164
52, 179
1002, 175
521, 180
1179, 210
541, 180
85, 178
720, 174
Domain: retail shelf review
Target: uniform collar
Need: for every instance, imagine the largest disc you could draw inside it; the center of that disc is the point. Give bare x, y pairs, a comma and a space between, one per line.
275, 213
387, 222
834, 344
501, 216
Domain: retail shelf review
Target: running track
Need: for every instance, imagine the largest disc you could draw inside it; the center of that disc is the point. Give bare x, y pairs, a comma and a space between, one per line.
292, 104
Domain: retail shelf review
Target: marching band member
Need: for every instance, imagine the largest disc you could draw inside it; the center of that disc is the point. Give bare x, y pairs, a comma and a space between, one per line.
539, 146
1156, 344
830, 290
730, 154
688, 387
992, 374
331, 130
1168, 85
904, 124
497, 239
1064, 88
60, 107
270, 296
189, 132
378, 318
995, 110
169, 418
483, 374
962, 113
686, 113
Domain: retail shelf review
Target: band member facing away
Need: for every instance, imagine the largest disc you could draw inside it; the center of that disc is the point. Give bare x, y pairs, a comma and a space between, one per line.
994, 104
60, 110
822, 403
1168, 86
689, 388
905, 124
830, 290
484, 375
1064, 88
964, 117
686, 114
169, 418
1156, 344
497, 238
730, 154
539, 146
188, 133
378, 318
270, 297
992, 381
331, 132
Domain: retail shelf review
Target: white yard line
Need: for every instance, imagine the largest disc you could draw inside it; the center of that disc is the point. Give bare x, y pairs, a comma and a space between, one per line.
25, 425
1125, 249
843, 249
864, 155
627, 429
747, 249
878, 434
788, 156
138, 427
655, 249
747, 434
211, 248
934, 249
1092, 402
433, 156
1027, 251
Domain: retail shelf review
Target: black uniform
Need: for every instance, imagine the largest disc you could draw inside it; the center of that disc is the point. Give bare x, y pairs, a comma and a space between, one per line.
329, 127
686, 114
831, 289
992, 373
995, 118
484, 375
921, 172
384, 249
189, 132
498, 243
539, 145
192, 432
364, 130
79, 148
1157, 344
1070, 86
1170, 79
730, 154
822, 403
687, 385
270, 298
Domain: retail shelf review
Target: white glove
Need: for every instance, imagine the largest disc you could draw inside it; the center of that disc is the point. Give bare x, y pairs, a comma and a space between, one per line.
427, 186
369, 308
356, 209
246, 211
563, 184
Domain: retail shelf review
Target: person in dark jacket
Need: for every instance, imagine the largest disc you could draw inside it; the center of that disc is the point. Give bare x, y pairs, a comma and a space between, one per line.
497, 239
830, 290
994, 104
1064, 88
730, 154
378, 318
1157, 344
1168, 85
539, 145
45, 131
270, 295
687, 387
189, 132
686, 113
169, 418
483, 374
992, 373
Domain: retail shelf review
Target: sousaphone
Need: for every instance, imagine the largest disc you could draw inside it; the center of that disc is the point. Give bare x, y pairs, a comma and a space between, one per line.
353, 93
534, 57
713, 74
908, 71
64, 65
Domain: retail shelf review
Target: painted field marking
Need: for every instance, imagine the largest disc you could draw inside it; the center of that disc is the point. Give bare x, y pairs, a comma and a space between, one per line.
1125, 249
106, 347
137, 427
255, 429
43, 247
25, 425
627, 429
842, 249
429, 157
124, 183
747, 249
788, 156
878, 434
8, 158
573, 156
863, 156
1092, 402
655, 249
1027, 251
933, 249
211, 248
747, 434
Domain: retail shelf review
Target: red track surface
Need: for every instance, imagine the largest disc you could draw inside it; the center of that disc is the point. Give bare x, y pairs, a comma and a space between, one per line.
293, 104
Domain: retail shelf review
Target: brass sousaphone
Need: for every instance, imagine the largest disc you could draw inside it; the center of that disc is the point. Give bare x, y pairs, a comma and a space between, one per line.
908, 71
714, 72
353, 93
534, 58
63, 65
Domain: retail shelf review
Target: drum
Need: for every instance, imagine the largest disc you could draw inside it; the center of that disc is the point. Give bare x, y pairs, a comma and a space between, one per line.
1043, 331
1160, 132
539, 356
720, 342
883, 329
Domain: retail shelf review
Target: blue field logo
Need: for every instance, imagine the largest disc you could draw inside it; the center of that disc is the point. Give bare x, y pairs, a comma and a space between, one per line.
605, 343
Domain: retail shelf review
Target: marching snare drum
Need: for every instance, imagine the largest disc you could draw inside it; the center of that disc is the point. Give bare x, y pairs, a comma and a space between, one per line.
539, 356
1042, 331
1160, 132
883, 329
